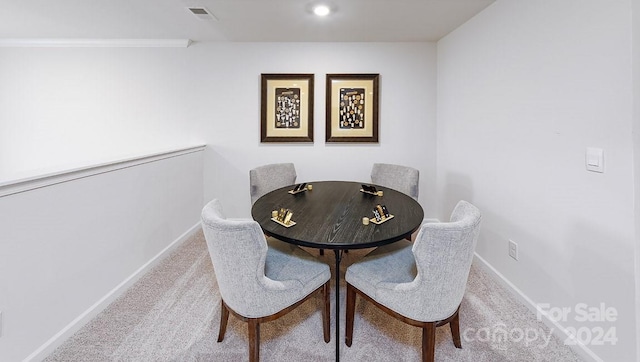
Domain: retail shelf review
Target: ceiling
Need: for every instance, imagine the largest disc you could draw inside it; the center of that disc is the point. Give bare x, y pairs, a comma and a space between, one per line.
237, 20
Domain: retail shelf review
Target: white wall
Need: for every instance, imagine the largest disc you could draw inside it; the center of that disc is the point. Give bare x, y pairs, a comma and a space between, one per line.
636, 149
65, 107
61, 107
523, 89
66, 246
228, 90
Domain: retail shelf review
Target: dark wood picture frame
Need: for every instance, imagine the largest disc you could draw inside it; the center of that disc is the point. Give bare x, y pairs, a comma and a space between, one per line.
286, 113
352, 107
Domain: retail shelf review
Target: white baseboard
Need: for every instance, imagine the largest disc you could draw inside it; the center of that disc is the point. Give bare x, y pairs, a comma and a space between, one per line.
560, 331
54, 342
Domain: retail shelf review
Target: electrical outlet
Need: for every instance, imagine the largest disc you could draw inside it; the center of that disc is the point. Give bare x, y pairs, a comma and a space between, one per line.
513, 249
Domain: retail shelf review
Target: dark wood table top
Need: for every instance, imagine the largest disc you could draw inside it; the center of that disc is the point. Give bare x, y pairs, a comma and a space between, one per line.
330, 216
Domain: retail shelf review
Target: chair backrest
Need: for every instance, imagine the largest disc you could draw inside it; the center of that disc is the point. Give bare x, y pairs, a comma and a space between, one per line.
401, 178
267, 178
443, 253
238, 250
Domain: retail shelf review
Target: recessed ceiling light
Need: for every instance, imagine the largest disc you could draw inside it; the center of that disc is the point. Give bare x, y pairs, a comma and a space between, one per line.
321, 10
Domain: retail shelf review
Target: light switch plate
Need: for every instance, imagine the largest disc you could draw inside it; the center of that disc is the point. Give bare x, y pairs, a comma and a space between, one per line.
513, 249
594, 159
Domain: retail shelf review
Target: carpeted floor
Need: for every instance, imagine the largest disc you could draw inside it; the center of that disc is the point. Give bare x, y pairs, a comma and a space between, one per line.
172, 314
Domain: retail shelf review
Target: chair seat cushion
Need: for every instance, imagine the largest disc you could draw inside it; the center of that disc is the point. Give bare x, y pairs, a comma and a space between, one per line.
424, 281
387, 265
389, 276
290, 274
289, 262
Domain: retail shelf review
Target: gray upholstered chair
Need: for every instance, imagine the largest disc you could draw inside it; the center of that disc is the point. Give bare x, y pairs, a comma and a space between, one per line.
260, 282
267, 178
400, 178
421, 283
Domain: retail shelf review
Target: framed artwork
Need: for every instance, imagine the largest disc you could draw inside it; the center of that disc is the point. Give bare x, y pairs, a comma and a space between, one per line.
352, 107
286, 108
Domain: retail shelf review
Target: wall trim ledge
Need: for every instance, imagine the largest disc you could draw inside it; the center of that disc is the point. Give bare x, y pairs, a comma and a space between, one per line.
48, 179
59, 338
561, 332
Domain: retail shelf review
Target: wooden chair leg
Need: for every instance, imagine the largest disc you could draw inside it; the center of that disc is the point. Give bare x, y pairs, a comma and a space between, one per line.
351, 309
455, 330
322, 251
326, 313
224, 317
429, 342
254, 340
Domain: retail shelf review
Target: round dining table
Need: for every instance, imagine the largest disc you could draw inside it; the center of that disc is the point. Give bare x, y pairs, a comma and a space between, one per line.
329, 215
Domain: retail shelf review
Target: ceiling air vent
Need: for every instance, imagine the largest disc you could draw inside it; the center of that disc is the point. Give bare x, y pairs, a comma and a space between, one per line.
202, 13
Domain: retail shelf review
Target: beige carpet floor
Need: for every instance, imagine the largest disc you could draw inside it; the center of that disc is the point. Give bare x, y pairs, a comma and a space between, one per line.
172, 314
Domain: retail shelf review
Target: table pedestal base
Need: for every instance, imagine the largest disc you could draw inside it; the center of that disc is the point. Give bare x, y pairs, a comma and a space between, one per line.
338, 254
